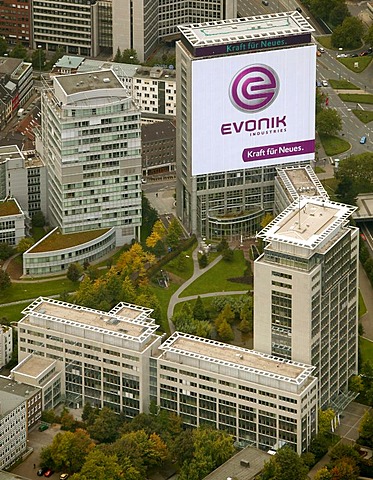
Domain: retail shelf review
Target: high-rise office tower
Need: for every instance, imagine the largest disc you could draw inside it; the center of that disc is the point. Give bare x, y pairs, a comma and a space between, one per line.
306, 295
242, 109
91, 144
140, 24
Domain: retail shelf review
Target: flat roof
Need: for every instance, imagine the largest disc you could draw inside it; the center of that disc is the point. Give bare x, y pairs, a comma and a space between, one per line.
34, 365
237, 357
258, 27
9, 207
63, 312
131, 311
307, 222
302, 181
69, 61
9, 152
364, 201
83, 82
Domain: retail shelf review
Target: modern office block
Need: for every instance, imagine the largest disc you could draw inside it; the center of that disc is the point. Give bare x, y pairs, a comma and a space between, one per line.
306, 295
140, 25
104, 356
15, 22
242, 111
115, 359
91, 145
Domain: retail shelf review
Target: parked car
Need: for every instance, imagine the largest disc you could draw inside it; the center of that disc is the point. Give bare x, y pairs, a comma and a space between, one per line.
265, 3
41, 471
43, 427
354, 55
298, 9
48, 473
318, 83
325, 83
363, 54
64, 476
342, 55
321, 49
363, 139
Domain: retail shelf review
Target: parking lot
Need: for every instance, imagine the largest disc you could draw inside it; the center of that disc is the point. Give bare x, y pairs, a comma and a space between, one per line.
37, 440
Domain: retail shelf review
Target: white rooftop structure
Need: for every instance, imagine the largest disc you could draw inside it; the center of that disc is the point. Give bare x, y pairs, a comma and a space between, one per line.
82, 82
302, 181
78, 317
238, 358
258, 27
307, 222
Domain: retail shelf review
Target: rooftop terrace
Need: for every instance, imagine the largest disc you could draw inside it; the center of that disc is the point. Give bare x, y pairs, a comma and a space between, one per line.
245, 29
237, 357
89, 318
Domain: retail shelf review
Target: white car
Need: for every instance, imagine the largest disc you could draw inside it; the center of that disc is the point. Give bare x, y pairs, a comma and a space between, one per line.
325, 83
342, 55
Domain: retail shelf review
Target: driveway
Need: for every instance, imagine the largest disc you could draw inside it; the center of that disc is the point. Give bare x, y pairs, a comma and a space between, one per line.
37, 440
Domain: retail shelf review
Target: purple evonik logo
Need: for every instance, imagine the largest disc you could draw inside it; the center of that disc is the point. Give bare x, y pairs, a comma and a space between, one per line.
254, 88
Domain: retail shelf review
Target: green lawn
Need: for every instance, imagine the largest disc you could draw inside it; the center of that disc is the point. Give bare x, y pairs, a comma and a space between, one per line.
319, 170
38, 233
342, 85
334, 145
330, 185
13, 312
357, 98
362, 307
366, 350
362, 62
23, 291
216, 279
364, 116
164, 295
187, 272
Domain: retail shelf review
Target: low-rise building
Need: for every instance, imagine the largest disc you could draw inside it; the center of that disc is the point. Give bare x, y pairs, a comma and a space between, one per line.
158, 141
6, 344
16, 78
115, 359
12, 222
20, 410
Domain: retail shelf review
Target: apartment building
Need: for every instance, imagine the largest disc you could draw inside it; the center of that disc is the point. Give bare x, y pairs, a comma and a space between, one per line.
140, 25
306, 295
23, 176
229, 144
12, 222
152, 88
117, 360
15, 22
6, 344
91, 145
17, 83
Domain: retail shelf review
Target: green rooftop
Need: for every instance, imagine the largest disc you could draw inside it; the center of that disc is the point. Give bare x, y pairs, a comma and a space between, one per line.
60, 241
9, 207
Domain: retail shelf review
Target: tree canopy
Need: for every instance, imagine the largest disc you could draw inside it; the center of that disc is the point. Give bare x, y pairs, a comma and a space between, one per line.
328, 122
348, 35
285, 465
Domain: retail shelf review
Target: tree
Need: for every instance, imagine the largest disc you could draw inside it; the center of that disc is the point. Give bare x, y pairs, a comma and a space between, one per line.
118, 56
369, 36
203, 261
345, 469
366, 429
89, 413
326, 418
355, 384
38, 59
129, 55
174, 233
19, 51
199, 312
158, 233
338, 14
328, 122
3, 46
349, 34
99, 466
69, 450
323, 474
228, 255
358, 169
74, 272
285, 465
105, 426
6, 251
181, 262
38, 219
5, 281
225, 331
266, 220
24, 244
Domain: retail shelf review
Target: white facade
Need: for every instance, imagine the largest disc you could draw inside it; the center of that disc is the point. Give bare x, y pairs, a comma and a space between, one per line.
104, 356
13, 428
152, 88
23, 176
12, 222
91, 144
306, 295
260, 399
228, 198
116, 360
6, 344
141, 24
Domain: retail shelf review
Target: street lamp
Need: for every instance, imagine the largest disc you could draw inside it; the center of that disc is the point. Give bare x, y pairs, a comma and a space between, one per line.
39, 48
